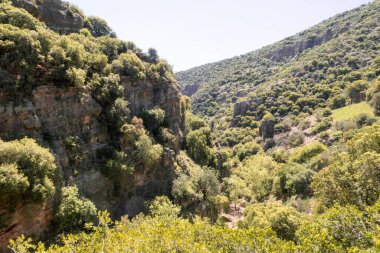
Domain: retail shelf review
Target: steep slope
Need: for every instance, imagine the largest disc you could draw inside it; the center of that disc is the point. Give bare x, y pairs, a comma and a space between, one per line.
311, 66
82, 97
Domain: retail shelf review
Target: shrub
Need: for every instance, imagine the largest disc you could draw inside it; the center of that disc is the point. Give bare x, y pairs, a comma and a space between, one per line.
30, 165
147, 153
153, 119
376, 103
248, 149
128, 64
73, 211
285, 221
99, 27
338, 102
199, 146
322, 126
364, 119
296, 139
293, 179
349, 182
13, 184
306, 153
118, 114
162, 207
194, 122
355, 88
338, 228
252, 180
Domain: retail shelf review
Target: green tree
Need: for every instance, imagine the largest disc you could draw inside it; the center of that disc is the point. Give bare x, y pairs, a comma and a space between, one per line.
147, 153
99, 27
30, 167
285, 221
162, 207
199, 146
74, 211
128, 64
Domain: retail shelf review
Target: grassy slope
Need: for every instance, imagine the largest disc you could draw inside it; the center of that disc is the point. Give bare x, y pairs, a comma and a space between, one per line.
352, 111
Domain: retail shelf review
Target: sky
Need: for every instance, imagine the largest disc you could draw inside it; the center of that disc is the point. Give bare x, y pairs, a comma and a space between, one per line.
189, 33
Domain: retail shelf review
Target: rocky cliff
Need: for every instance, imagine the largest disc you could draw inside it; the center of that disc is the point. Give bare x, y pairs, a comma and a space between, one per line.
55, 112
56, 14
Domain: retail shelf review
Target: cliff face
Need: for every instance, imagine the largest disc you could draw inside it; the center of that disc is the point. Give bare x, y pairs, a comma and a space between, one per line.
56, 14
52, 114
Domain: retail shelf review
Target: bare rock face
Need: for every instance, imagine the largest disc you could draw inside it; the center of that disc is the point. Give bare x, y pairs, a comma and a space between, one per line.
28, 219
299, 46
358, 97
266, 129
145, 95
56, 14
52, 114
241, 107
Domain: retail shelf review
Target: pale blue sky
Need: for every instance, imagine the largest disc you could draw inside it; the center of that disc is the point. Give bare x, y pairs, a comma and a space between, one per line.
189, 33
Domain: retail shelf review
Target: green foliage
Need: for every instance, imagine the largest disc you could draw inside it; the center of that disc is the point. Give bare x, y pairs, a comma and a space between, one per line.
199, 146
162, 207
99, 27
18, 18
293, 179
153, 119
306, 153
194, 184
118, 114
355, 88
73, 211
27, 171
194, 122
160, 234
283, 220
147, 153
248, 149
12, 182
337, 229
376, 103
352, 177
252, 180
129, 64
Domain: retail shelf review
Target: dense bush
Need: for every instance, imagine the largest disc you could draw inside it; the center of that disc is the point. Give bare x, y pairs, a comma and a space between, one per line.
162, 207
306, 153
352, 177
199, 145
248, 149
252, 180
160, 234
99, 27
153, 119
194, 184
73, 211
283, 220
27, 171
293, 179
147, 153
129, 64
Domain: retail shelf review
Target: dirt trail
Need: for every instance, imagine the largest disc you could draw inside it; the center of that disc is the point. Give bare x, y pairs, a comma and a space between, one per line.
235, 215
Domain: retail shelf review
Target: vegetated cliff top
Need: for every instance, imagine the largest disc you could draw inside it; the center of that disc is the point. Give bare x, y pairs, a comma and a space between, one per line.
323, 55
63, 17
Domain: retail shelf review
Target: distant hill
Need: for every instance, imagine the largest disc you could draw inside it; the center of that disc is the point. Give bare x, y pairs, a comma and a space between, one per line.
298, 74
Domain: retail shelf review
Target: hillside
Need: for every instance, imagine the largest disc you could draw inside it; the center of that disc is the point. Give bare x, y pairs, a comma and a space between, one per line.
313, 65
277, 150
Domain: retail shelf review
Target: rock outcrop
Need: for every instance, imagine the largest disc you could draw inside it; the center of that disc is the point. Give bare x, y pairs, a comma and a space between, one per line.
56, 14
53, 114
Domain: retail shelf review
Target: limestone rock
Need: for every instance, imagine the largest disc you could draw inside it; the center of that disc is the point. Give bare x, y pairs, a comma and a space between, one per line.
56, 14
